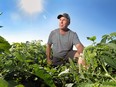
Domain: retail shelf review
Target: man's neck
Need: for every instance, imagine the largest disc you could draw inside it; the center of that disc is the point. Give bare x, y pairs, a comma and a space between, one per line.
64, 31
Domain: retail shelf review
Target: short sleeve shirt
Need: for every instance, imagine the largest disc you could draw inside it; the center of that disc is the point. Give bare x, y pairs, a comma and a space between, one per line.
62, 44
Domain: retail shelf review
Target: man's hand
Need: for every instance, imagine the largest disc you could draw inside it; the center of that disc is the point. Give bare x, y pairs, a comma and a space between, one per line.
81, 61
49, 61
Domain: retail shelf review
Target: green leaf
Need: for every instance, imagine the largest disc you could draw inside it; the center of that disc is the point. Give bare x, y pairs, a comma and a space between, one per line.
40, 72
3, 83
112, 45
20, 57
20, 85
93, 38
113, 34
72, 64
109, 84
110, 61
4, 45
104, 38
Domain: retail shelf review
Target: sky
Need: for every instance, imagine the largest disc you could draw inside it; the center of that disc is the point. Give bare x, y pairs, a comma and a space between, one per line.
27, 20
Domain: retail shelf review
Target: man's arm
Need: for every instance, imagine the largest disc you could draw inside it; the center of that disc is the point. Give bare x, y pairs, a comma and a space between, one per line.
80, 48
48, 52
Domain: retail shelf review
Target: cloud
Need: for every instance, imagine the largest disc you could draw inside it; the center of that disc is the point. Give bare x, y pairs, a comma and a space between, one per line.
31, 7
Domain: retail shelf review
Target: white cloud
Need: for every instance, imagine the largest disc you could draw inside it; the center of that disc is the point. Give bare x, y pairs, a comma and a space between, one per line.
31, 7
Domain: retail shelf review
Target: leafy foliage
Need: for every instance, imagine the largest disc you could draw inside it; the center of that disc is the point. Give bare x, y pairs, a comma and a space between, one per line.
24, 65
3, 83
102, 57
4, 45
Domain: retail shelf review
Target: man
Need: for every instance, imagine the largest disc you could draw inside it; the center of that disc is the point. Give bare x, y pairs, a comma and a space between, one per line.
61, 41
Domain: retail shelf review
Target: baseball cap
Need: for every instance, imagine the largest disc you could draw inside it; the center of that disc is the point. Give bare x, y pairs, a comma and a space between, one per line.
63, 15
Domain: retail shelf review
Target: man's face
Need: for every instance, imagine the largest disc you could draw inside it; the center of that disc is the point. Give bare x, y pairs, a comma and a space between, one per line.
63, 23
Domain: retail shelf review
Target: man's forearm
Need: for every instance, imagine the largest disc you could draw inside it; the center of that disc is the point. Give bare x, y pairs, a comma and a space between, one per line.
80, 48
48, 52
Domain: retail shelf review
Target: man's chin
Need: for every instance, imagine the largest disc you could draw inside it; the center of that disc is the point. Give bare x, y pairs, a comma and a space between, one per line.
62, 28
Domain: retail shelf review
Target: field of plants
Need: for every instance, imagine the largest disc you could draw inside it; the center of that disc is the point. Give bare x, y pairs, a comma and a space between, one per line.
24, 65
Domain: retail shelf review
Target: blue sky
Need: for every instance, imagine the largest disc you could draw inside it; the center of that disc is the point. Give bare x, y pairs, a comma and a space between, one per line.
27, 20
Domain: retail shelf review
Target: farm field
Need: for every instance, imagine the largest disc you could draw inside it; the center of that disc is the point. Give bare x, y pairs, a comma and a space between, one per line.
24, 65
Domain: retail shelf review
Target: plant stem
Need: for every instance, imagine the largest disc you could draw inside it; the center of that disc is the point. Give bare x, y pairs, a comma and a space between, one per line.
108, 73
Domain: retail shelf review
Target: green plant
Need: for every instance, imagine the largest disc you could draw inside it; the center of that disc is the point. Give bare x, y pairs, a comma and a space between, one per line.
24, 65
